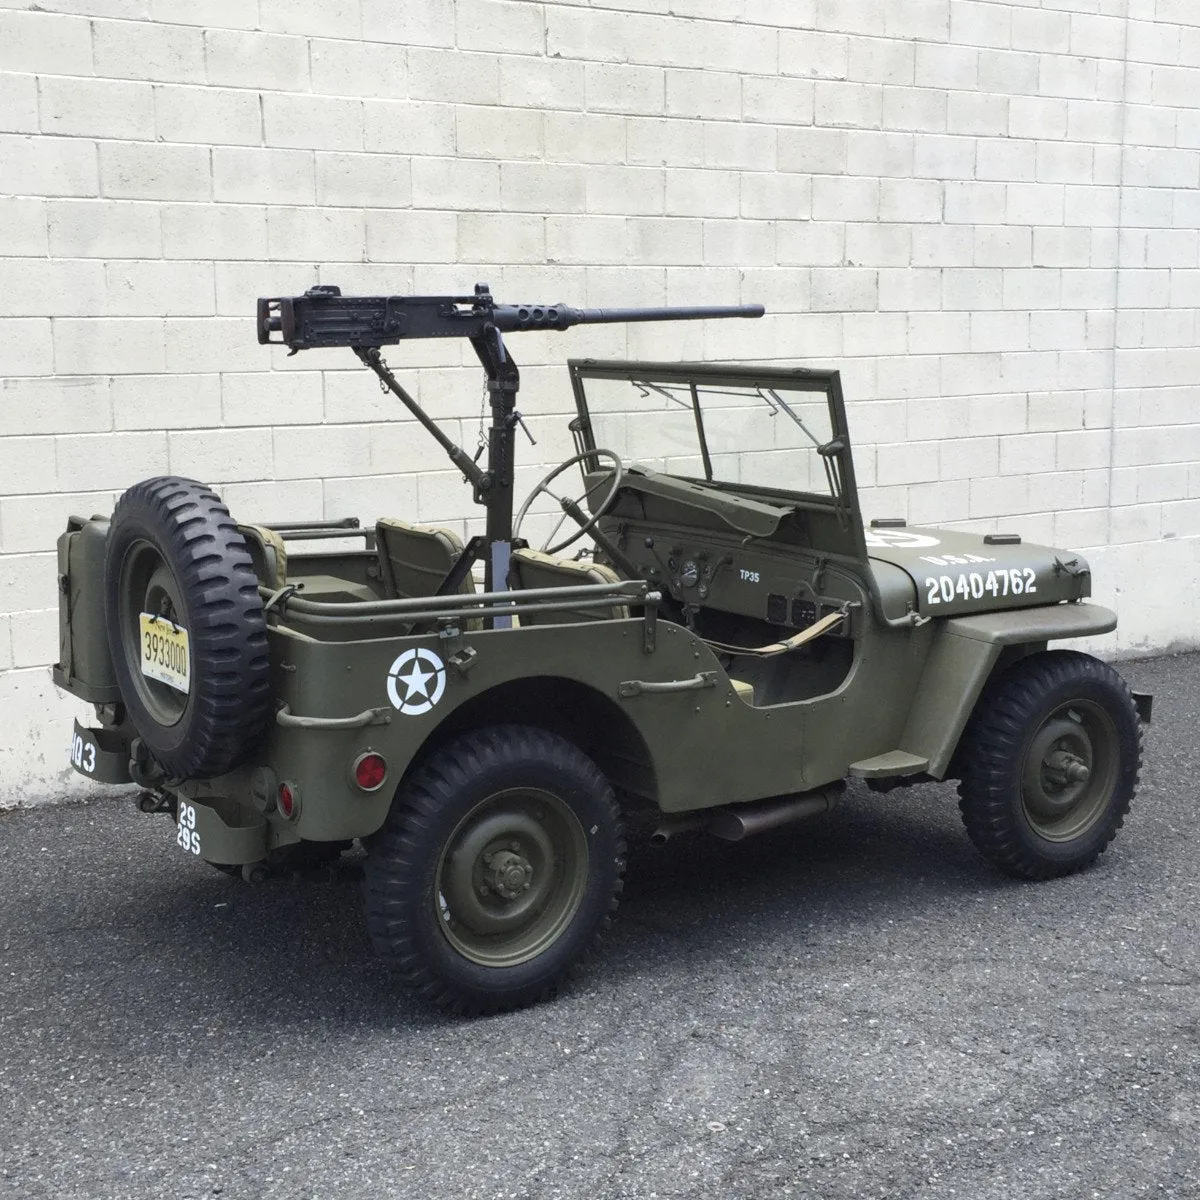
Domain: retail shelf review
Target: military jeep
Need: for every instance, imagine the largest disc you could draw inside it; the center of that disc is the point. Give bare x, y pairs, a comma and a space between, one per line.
732, 644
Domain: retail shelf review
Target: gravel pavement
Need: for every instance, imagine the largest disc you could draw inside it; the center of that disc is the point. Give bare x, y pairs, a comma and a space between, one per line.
855, 1007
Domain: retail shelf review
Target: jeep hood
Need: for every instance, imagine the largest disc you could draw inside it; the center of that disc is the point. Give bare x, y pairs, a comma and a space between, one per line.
955, 572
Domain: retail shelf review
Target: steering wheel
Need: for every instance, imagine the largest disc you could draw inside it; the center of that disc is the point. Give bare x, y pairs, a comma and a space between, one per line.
572, 508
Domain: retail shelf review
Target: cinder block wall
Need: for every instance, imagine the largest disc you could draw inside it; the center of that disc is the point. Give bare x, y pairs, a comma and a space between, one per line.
986, 214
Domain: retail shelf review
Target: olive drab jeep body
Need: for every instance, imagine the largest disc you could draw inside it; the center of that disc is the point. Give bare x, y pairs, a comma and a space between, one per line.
736, 643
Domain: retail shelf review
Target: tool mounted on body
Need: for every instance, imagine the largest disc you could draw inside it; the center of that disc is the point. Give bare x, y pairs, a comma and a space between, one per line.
323, 317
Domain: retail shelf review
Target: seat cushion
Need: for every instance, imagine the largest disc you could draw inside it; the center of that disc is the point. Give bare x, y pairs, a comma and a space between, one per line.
534, 569
267, 553
416, 558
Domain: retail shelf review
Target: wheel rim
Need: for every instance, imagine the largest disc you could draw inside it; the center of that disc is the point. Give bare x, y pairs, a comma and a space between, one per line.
146, 584
1070, 771
511, 877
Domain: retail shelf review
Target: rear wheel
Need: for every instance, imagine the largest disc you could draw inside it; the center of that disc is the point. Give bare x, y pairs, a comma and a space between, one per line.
499, 865
1050, 762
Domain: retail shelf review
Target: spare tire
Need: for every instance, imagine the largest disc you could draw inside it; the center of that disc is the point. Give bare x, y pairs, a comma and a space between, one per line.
186, 626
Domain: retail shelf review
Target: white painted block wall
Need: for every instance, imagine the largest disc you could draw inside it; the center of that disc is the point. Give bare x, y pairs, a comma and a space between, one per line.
987, 214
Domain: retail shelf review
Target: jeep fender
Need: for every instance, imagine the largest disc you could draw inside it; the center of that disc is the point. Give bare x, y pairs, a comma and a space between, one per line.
964, 653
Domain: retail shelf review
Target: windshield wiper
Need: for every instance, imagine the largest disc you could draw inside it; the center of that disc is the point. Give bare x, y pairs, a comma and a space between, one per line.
647, 387
827, 450
777, 403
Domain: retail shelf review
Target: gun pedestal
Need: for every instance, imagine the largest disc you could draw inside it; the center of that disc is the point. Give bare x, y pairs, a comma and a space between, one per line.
496, 490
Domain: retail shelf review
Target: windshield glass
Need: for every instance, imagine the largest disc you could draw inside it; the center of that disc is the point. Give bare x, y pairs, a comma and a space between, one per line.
766, 436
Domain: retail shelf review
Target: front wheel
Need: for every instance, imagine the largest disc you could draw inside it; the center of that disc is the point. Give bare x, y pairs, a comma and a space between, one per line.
497, 868
1050, 761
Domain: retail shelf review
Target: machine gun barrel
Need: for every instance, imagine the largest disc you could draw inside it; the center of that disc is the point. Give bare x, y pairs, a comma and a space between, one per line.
511, 317
324, 317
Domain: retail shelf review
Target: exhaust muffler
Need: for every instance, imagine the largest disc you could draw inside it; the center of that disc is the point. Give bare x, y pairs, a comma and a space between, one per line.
734, 824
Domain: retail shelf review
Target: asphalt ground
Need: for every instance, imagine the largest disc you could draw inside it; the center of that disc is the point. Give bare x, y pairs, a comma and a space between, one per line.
858, 1006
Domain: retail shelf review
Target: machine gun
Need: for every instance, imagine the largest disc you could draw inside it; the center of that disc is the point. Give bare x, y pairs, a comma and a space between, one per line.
323, 317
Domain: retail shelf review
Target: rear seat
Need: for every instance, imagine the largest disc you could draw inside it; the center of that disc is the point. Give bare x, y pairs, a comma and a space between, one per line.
416, 558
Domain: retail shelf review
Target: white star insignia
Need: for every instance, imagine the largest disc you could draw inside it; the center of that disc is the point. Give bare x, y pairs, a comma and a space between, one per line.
415, 682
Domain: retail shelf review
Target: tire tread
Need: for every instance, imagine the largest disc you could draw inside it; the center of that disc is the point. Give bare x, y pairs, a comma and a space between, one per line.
396, 857
992, 743
199, 540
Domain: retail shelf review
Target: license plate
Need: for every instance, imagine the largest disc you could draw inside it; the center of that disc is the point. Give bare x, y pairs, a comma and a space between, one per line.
186, 836
165, 652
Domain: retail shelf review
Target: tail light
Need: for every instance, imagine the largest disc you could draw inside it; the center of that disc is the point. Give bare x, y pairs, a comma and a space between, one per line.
370, 770
288, 801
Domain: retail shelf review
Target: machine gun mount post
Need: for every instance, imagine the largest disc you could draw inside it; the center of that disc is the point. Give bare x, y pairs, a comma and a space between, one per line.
503, 383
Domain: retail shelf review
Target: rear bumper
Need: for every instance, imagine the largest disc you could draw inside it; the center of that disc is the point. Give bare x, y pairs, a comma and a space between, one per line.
218, 832
100, 754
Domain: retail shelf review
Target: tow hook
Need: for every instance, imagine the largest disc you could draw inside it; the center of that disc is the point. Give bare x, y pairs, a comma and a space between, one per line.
156, 802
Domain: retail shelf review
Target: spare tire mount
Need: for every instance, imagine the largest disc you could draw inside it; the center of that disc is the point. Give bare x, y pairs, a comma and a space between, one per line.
186, 626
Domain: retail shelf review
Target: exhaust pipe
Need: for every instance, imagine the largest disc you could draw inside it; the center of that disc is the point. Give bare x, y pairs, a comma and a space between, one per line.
667, 829
734, 824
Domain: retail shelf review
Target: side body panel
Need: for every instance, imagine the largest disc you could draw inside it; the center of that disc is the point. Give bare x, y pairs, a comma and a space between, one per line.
685, 749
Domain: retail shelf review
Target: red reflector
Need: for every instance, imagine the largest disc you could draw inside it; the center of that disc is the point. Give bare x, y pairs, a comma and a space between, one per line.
369, 771
287, 801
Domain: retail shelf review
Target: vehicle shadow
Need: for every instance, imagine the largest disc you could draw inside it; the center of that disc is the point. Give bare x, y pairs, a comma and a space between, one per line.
237, 955
906, 851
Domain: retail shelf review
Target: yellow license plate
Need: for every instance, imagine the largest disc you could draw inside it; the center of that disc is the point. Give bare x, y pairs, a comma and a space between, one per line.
165, 654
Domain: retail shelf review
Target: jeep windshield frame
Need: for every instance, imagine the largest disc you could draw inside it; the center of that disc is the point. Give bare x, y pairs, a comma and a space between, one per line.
783, 392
